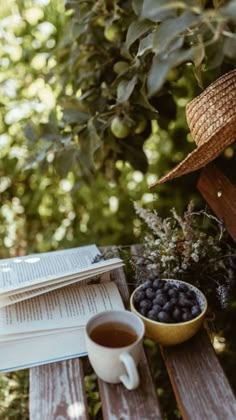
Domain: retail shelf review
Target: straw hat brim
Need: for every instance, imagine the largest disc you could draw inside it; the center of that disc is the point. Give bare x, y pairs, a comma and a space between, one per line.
203, 154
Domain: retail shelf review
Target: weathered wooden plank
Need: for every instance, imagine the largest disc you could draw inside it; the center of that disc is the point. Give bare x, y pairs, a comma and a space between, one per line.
220, 194
200, 385
119, 403
57, 391
119, 276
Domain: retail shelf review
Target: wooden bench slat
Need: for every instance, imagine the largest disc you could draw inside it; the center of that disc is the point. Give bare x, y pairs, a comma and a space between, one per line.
139, 404
220, 194
201, 388
118, 275
117, 401
57, 391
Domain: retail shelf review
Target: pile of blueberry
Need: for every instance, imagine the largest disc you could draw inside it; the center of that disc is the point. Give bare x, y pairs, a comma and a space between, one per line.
166, 302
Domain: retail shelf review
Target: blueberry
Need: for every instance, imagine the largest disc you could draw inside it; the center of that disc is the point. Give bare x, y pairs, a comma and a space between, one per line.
187, 316
147, 284
143, 311
150, 293
156, 308
168, 307
195, 310
145, 303
160, 299
172, 293
176, 314
174, 301
182, 295
161, 284
159, 292
164, 317
183, 288
183, 309
157, 284
191, 295
138, 296
167, 286
152, 315
185, 302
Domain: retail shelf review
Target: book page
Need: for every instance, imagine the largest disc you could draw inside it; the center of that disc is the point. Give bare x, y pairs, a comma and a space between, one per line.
14, 338
9, 298
39, 350
20, 271
66, 307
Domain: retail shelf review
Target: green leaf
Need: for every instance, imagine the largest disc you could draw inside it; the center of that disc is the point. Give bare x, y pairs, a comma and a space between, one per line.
90, 142
78, 29
136, 157
137, 6
229, 10
230, 48
145, 45
64, 161
74, 116
198, 58
215, 54
161, 66
125, 89
160, 10
49, 132
31, 132
71, 4
143, 100
136, 30
169, 30
199, 53
95, 139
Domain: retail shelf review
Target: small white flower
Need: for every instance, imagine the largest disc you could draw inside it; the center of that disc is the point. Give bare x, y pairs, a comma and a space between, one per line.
195, 257
223, 294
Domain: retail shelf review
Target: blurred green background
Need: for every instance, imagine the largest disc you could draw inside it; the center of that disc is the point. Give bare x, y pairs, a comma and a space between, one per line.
68, 70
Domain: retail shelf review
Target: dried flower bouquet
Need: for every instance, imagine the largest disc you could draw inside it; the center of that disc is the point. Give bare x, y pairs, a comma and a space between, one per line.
194, 247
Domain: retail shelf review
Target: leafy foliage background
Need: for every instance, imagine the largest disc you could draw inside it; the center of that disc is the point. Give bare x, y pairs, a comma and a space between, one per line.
67, 71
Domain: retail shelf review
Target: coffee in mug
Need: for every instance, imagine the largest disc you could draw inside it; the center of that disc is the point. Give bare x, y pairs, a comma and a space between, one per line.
114, 344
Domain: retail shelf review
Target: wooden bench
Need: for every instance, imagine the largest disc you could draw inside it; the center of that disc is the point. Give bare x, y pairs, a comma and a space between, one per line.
202, 391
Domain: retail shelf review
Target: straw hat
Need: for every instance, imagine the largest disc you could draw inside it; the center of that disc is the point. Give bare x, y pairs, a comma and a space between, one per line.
211, 117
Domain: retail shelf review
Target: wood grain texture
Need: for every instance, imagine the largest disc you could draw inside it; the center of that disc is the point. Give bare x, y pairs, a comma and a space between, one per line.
57, 391
117, 402
141, 404
201, 388
118, 276
220, 194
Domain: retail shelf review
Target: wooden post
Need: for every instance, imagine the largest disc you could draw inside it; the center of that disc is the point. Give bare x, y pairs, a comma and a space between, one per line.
220, 194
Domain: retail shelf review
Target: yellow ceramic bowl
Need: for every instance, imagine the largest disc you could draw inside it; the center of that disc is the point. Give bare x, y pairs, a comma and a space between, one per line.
171, 334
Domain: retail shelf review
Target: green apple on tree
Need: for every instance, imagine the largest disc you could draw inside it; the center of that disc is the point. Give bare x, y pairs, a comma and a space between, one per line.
113, 32
119, 128
120, 67
141, 125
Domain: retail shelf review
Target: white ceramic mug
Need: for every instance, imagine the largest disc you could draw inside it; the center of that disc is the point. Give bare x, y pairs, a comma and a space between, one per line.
119, 363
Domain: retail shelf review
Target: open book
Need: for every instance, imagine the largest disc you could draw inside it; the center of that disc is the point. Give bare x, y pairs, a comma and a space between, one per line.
45, 302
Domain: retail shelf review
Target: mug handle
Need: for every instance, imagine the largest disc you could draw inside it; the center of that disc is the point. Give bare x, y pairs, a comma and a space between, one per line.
131, 380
